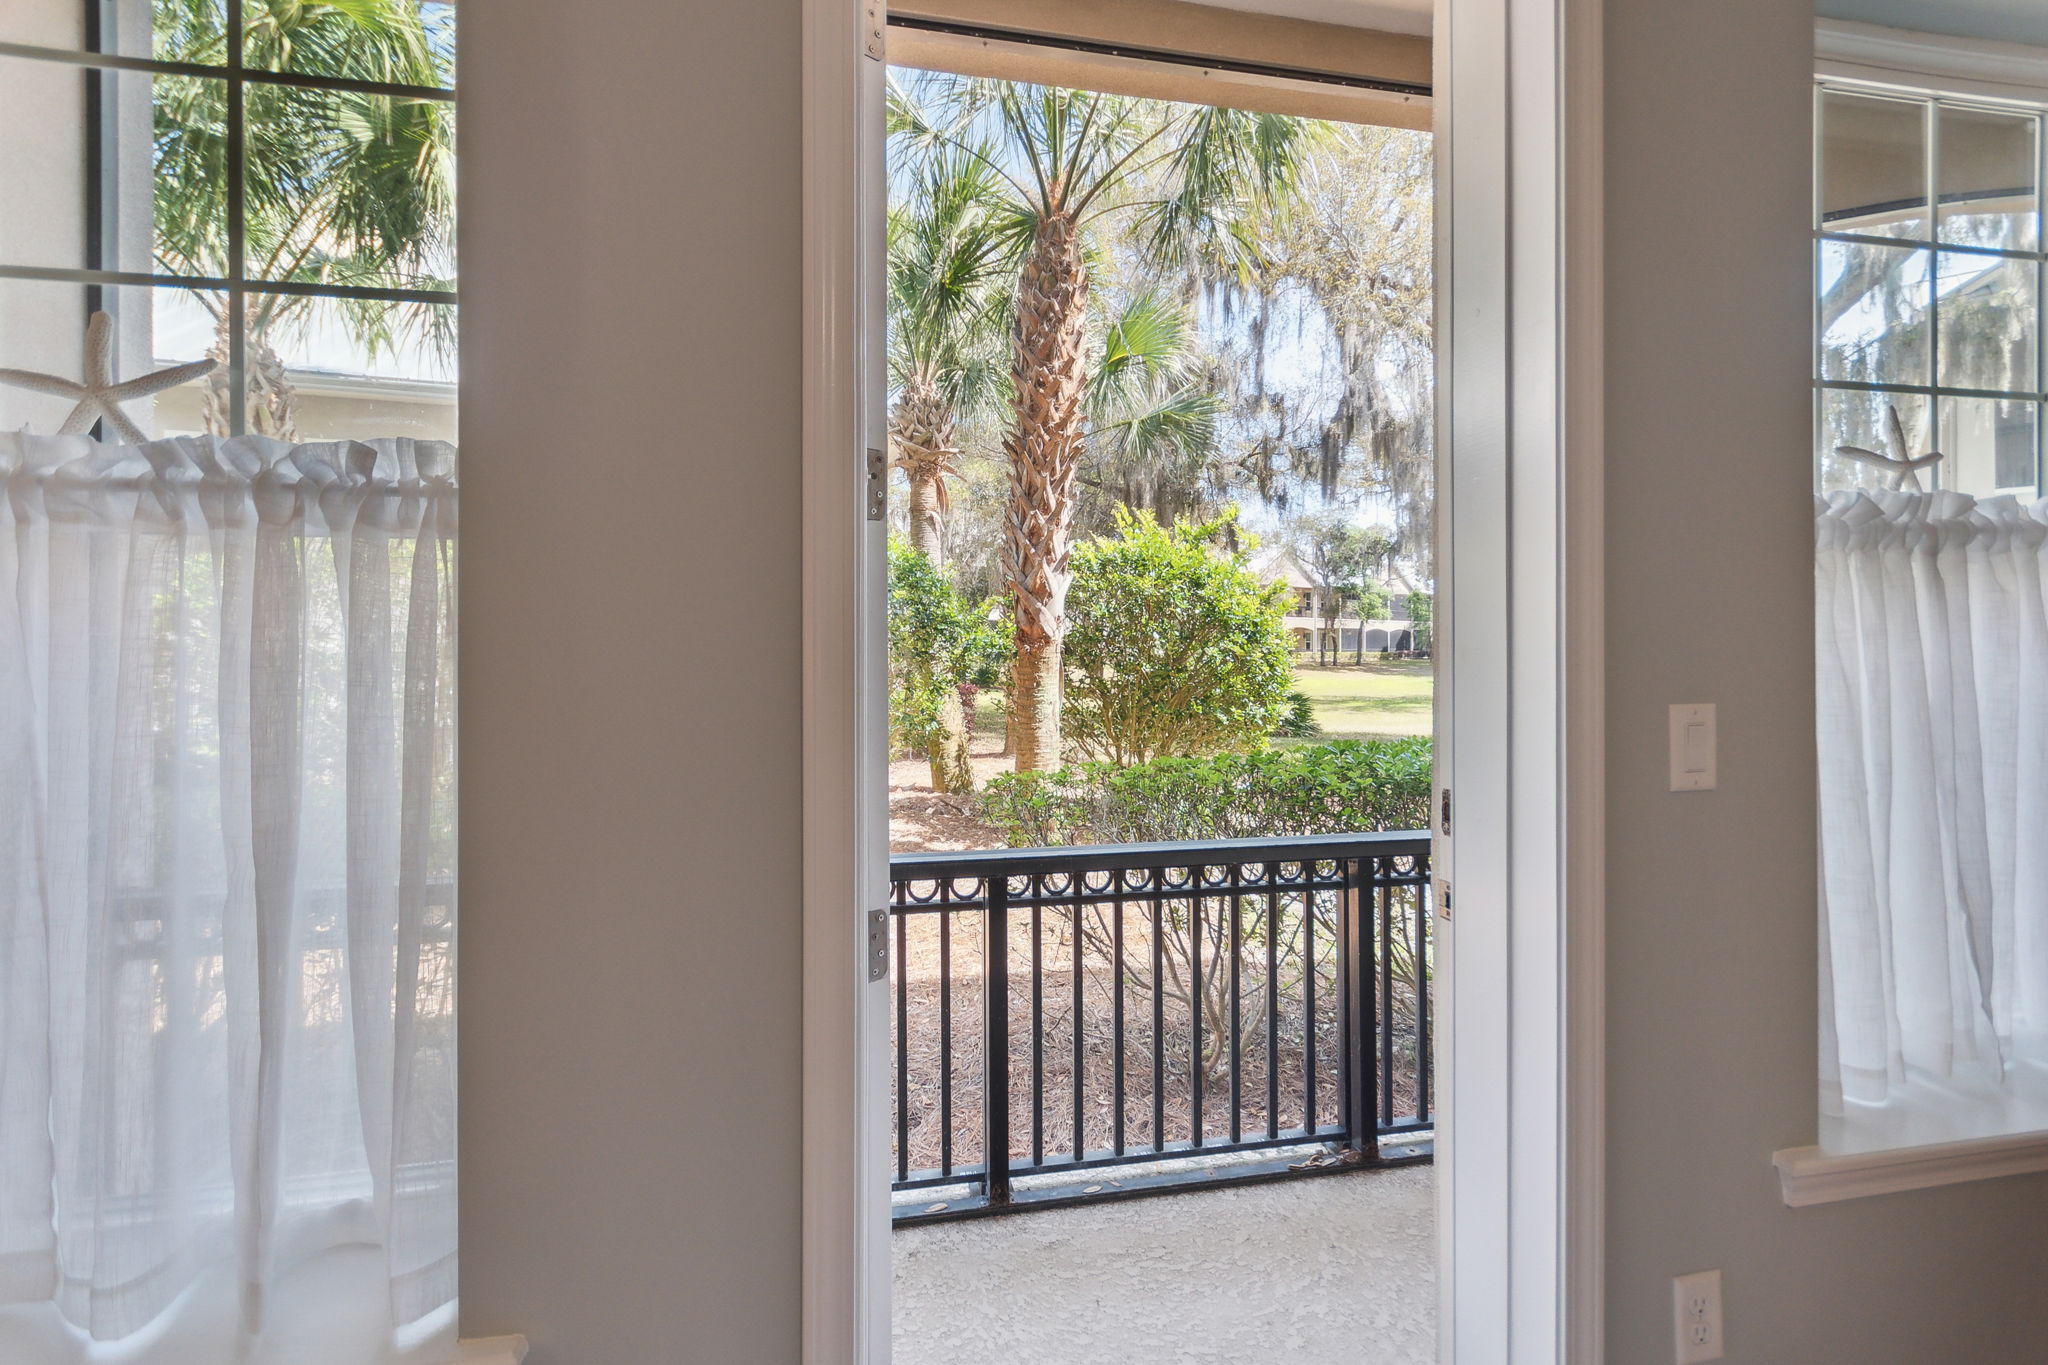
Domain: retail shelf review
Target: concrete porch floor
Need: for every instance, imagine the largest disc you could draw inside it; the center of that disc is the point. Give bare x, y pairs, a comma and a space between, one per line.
1335, 1270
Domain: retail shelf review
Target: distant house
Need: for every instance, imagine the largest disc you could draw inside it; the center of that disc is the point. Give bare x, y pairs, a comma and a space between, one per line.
1312, 632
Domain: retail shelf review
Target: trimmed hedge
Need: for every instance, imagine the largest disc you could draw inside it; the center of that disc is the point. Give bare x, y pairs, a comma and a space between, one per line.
1342, 787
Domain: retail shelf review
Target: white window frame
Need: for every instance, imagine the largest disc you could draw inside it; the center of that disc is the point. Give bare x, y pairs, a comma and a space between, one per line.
1895, 60
1519, 617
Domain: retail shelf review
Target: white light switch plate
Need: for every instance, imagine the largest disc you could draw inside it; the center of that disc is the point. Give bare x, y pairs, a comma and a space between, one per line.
1696, 1316
1693, 743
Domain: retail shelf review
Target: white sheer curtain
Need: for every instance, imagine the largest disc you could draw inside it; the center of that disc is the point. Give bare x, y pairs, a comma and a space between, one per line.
226, 900
1933, 740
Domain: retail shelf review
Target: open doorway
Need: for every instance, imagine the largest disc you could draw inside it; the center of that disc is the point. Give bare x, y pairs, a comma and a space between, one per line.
1159, 604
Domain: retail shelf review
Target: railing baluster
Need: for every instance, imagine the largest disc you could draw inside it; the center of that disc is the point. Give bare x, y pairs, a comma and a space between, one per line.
1236, 900
995, 1039
1196, 1127
1272, 1001
1360, 1012
1422, 1000
1308, 1006
1037, 1022
1080, 1049
946, 1031
1158, 1021
1116, 1089
1384, 947
902, 1040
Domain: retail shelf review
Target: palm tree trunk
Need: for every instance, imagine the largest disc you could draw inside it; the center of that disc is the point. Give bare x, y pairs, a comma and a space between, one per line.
927, 535
921, 428
951, 771
1044, 445
268, 391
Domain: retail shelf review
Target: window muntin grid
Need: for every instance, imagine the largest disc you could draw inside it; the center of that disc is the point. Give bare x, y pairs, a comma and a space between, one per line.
106, 49
1952, 324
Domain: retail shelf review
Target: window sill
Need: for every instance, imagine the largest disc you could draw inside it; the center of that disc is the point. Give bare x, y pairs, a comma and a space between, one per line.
1809, 1175
490, 1351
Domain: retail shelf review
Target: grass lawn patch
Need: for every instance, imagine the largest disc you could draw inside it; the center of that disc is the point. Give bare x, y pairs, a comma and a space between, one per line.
1380, 698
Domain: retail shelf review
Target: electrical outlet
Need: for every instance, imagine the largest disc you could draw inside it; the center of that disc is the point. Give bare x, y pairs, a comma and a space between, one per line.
1696, 1316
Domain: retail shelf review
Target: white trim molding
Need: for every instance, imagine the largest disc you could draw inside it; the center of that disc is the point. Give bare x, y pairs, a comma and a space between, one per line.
1930, 61
1809, 1175
846, 860
1520, 714
490, 1350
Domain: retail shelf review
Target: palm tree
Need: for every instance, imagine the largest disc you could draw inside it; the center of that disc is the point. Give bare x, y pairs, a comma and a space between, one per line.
341, 188
1192, 178
1151, 418
951, 254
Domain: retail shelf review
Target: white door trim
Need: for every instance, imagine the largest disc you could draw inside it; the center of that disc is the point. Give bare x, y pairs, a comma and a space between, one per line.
1521, 711
1520, 129
845, 853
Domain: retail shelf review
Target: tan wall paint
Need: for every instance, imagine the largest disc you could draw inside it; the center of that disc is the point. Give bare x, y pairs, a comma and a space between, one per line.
1711, 914
630, 770
631, 977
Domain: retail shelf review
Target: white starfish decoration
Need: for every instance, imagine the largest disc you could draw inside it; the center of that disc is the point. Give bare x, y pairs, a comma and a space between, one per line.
1904, 469
101, 395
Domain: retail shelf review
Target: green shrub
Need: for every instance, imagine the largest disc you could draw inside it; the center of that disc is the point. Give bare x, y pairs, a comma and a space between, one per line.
1343, 787
1299, 720
939, 643
1173, 646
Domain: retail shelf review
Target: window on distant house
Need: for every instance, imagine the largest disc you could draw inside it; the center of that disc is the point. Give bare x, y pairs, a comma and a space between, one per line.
1931, 655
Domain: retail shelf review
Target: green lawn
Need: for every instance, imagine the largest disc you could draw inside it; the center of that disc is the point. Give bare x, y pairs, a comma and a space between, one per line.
1378, 698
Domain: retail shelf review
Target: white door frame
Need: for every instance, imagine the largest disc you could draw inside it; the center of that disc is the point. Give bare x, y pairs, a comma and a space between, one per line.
1519, 1149
1519, 707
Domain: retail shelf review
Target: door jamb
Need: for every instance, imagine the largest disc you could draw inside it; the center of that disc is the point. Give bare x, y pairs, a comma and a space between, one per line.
1521, 710
845, 1198
1521, 406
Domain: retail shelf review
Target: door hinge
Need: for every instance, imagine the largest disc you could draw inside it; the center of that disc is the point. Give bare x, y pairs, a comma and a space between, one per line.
878, 944
874, 36
1443, 899
878, 484
1444, 814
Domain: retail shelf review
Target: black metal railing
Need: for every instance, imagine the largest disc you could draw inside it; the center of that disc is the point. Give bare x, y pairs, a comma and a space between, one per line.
1074, 1011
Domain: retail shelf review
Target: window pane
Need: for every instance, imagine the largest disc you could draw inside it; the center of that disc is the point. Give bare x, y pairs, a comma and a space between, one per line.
331, 370
1873, 313
190, 175
42, 328
1988, 320
350, 189
180, 31
1991, 444
397, 42
1990, 172
1855, 418
1874, 166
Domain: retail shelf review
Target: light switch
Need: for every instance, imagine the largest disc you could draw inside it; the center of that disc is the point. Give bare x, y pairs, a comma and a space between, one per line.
1692, 747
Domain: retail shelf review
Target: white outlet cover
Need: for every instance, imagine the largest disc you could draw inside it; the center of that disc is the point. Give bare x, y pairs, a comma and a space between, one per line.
1696, 1316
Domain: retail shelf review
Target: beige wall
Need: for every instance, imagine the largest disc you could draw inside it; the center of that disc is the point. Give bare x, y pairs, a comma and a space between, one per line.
1711, 939
630, 814
629, 656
